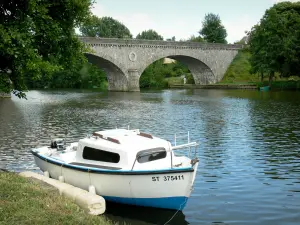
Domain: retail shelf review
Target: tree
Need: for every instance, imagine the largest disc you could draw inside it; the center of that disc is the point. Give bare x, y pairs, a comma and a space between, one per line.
195, 39
105, 27
149, 35
38, 38
244, 40
171, 39
275, 41
212, 29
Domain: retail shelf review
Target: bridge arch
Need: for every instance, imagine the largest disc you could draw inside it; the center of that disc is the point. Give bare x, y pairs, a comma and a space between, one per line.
116, 76
207, 62
200, 71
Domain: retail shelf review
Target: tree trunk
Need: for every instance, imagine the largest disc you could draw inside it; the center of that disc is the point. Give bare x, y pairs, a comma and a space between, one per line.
271, 78
262, 77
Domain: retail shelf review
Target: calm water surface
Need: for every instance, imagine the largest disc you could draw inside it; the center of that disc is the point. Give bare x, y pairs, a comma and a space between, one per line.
249, 171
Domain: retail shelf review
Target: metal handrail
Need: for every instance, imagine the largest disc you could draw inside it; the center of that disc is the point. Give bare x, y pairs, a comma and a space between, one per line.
181, 137
191, 144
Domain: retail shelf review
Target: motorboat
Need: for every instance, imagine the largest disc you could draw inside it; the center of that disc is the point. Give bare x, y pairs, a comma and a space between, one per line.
126, 166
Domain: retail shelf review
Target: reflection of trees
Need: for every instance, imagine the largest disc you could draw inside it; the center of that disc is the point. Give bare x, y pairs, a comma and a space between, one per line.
214, 124
275, 130
224, 128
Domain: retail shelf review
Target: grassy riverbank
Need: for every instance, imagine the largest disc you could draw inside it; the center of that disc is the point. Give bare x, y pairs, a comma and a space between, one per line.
238, 76
239, 70
26, 201
238, 73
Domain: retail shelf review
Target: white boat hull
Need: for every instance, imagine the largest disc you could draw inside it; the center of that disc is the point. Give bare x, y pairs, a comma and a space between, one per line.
168, 189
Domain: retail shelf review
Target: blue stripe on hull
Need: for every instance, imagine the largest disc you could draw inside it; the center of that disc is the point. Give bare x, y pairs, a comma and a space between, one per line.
176, 203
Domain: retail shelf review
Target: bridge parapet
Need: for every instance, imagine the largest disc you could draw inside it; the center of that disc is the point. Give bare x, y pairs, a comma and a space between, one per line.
112, 42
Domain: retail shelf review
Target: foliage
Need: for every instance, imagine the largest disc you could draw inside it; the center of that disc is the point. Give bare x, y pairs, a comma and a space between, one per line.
155, 75
86, 76
275, 41
92, 77
171, 39
38, 38
179, 80
29, 201
244, 40
239, 69
212, 29
193, 38
282, 84
149, 35
190, 79
105, 27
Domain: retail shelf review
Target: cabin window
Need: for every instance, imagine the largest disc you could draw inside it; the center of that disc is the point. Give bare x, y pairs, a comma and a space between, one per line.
151, 155
100, 155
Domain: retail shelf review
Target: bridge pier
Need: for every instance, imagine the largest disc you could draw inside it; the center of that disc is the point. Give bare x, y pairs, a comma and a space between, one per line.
133, 80
203, 76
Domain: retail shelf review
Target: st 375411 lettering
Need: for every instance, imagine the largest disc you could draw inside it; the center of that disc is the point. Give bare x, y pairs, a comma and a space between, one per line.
167, 178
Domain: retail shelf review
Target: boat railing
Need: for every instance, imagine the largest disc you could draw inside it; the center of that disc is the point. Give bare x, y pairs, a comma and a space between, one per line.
181, 148
123, 127
188, 145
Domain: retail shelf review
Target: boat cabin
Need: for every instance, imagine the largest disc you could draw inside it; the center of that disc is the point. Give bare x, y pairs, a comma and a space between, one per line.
124, 149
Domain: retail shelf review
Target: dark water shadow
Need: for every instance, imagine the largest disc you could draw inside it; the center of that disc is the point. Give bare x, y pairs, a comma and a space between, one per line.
134, 215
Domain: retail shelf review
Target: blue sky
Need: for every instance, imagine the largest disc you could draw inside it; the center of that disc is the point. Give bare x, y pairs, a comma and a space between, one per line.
183, 18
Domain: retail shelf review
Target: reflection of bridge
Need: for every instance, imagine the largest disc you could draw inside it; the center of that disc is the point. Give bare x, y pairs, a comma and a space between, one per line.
124, 60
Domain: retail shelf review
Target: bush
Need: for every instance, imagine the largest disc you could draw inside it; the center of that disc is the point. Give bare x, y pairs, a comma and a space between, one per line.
155, 75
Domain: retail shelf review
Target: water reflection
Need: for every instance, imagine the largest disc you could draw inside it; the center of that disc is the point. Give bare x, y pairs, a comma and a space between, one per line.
143, 215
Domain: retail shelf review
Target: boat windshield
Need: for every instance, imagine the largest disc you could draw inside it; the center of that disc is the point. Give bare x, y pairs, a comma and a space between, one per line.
151, 155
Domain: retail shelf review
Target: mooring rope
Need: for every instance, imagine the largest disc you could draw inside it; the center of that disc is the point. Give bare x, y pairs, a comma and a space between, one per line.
177, 211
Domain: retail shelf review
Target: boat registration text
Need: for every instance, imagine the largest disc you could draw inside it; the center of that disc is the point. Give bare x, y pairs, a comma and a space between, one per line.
168, 178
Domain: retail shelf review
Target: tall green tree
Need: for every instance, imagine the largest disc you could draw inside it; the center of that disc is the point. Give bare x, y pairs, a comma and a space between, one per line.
149, 35
212, 29
275, 41
105, 27
38, 38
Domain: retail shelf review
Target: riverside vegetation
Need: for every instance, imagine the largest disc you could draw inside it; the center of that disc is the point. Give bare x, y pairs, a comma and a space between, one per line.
239, 73
29, 201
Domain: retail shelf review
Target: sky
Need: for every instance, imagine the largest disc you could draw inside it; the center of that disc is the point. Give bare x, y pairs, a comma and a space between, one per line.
183, 18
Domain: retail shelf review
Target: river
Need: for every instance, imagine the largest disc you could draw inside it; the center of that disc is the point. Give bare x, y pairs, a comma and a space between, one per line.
249, 171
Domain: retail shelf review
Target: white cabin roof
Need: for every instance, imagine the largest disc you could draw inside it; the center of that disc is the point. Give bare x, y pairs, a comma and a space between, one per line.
129, 141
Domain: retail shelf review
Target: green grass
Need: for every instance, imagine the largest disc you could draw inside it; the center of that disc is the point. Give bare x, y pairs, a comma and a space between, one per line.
26, 201
174, 80
179, 80
238, 71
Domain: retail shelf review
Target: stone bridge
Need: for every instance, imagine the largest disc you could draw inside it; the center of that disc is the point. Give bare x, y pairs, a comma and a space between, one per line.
124, 60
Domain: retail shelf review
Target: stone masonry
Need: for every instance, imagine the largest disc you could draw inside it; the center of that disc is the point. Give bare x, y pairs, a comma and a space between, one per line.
124, 60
